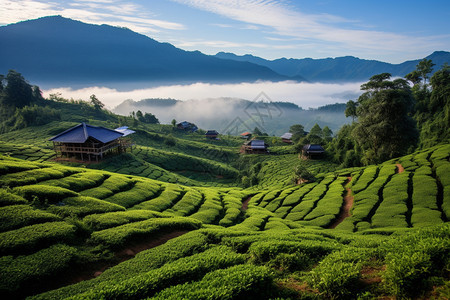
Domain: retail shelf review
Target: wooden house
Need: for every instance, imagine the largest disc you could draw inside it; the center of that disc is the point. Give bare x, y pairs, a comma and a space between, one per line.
90, 143
287, 138
246, 135
313, 150
187, 126
211, 134
255, 147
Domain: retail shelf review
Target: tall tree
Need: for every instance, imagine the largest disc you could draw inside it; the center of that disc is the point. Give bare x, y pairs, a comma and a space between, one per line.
385, 128
298, 131
315, 135
98, 105
17, 91
350, 109
327, 133
424, 68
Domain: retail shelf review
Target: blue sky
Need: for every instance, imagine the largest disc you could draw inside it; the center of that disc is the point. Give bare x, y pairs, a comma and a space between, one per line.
387, 30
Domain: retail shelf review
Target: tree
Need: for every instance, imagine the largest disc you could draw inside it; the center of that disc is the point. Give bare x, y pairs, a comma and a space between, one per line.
315, 135
385, 128
424, 68
414, 77
327, 134
17, 91
298, 131
139, 115
150, 119
98, 105
257, 131
350, 109
174, 122
37, 93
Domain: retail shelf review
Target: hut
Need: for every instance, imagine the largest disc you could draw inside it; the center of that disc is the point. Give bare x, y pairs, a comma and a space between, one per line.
255, 147
211, 134
187, 126
246, 135
287, 138
89, 143
313, 150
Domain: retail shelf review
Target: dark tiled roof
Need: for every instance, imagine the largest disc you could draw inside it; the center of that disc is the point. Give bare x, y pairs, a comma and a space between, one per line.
212, 132
258, 144
83, 131
313, 148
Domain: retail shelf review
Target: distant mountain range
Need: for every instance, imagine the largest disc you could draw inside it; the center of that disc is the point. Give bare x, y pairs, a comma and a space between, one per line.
347, 68
56, 51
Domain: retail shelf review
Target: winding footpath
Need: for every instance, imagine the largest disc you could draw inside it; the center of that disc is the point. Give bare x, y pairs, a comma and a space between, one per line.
345, 208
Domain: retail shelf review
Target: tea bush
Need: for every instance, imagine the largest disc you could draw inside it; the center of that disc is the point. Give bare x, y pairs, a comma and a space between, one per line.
118, 236
34, 237
16, 216
81, 206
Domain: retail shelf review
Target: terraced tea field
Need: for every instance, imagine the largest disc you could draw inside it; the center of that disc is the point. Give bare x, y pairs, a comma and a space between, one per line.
61, 225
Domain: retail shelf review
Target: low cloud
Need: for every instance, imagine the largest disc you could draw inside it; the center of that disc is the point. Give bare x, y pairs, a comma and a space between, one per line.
303, 94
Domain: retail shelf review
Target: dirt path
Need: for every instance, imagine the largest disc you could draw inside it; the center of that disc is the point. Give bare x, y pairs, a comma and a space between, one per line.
400, 168
345, 208
245, 203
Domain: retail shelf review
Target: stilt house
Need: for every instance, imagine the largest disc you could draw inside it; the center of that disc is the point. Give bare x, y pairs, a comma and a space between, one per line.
89, 143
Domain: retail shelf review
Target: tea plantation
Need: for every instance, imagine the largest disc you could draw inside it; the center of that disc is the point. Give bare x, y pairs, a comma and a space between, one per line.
143, 226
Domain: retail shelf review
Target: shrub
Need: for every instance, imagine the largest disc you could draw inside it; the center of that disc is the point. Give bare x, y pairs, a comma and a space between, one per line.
241, 281
81, 206
7, 198
170, 195
16, 216
22, 275
43, 193
29, 238
113, 219
118, 236
183, 270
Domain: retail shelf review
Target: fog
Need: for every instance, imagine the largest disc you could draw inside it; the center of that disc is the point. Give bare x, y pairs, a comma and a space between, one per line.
230, 107
303, 94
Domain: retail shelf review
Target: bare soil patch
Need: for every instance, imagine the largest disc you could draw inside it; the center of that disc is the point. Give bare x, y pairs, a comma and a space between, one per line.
345, 208
245, 203
400, 168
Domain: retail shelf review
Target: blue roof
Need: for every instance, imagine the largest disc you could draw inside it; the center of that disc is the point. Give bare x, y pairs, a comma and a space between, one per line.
82, 132
125, 130
258, 144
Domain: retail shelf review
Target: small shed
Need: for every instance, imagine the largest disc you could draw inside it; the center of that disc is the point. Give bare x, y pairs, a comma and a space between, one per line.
313, 150
88, 143
125, 130
246, 135
255, 147
211, 134
287, 138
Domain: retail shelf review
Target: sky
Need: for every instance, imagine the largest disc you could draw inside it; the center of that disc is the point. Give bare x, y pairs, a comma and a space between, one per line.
386, 30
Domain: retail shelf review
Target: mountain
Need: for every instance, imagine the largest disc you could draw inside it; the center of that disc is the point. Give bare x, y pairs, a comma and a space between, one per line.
234, 116
51, 51
347, 68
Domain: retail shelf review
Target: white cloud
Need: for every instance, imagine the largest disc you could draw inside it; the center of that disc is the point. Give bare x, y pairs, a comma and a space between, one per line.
113, 12
303, 94
286, 21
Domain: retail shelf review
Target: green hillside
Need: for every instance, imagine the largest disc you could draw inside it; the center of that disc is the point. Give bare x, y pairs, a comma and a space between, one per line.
185, 217
59, 220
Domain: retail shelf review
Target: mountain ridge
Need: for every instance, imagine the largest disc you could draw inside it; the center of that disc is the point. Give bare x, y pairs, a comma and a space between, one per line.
345, 68
65, 51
